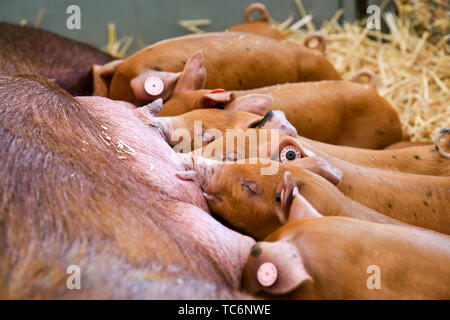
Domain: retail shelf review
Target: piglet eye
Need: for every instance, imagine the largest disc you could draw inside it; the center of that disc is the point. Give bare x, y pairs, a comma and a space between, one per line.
290, 153
251, 186
247, 187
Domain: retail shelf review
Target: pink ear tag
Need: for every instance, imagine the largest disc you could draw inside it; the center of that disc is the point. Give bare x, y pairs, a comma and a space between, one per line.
290, 153
267, 274
154, 86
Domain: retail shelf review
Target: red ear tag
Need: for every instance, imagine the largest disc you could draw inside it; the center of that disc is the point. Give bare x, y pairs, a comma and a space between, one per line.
211, 103
154, 86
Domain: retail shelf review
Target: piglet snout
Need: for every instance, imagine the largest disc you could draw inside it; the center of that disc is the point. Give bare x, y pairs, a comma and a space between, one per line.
190, 174
198, 168
186, 159
205, 170
204, 167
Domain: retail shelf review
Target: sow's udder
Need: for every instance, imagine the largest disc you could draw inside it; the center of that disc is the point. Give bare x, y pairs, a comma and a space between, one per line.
135, 136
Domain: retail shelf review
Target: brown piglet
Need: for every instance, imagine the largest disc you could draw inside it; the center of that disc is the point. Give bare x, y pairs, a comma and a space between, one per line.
259, 26
246, 193
198, 128
335, 112
228, 60
423, 160
345, 258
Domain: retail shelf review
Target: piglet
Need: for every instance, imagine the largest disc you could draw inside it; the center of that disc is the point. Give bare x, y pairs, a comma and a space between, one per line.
423, 160
263, 27
197, 128
335, 112
228, 60
258, 202
344, 258
246, 192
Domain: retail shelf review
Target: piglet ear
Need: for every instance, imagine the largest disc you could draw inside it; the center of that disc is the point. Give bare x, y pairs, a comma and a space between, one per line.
153, 108
276, 119
301, 208
274, 267
102, 77
213, 99
321, 167
193, 76
285, 191
253, 103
